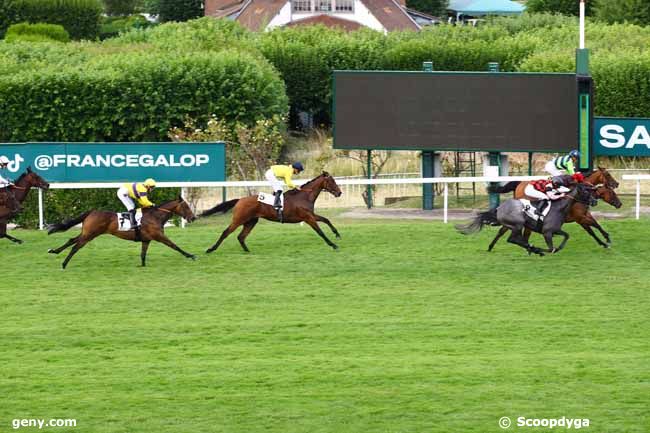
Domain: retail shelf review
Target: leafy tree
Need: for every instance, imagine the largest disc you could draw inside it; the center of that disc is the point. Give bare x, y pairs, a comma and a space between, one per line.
433, 7
565, 7
631, 11
179, 10
119, 7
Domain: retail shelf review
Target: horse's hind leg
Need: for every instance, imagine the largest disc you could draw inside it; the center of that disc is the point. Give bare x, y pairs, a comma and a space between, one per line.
331, 226
502, 231
231, 228
64, 246
3, 234
80, 243
517, 238
248, 227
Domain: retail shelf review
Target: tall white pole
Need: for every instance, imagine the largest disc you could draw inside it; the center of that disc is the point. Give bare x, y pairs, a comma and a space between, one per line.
582, 24
41, 222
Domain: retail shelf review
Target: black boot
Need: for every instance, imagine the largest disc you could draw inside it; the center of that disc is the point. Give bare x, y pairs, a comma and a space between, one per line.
277, 205
134, 225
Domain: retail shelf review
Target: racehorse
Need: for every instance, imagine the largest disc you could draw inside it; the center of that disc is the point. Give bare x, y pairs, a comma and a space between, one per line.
510, 215
298, 206
20, 189
579, 213
96, 222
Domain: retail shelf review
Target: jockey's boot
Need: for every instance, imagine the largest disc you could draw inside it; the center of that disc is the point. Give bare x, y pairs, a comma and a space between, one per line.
135, 225
277, 205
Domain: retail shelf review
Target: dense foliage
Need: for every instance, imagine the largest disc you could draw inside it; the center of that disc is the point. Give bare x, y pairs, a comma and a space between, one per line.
36, 32
80, 18
179, 10
436, 8
620, 11
119, 7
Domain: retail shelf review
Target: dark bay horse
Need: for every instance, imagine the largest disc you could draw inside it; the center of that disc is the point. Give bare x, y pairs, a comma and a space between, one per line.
96, 222
298, 207
20, 189
579, 213
510, 215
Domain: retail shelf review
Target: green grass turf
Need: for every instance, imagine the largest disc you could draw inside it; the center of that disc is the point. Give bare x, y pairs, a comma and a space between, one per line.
409, 327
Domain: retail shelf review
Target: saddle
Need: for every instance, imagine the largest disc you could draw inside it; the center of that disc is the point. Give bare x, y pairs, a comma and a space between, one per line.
269, 198
536, 211
124, 220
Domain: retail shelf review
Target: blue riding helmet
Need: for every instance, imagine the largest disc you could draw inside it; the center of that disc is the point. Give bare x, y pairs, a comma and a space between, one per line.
298, 166
574, 154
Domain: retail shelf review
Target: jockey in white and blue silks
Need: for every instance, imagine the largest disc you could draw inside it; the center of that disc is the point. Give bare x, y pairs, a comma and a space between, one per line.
7, 197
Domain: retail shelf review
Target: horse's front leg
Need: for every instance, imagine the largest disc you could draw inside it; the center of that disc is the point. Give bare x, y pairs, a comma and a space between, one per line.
310, 218
548, 237
3, 234
165, 240
331, 226
593, 235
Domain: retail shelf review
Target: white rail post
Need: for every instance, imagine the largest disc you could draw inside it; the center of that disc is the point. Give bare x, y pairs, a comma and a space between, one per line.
41, 223
445, 195
638, 198
183, 197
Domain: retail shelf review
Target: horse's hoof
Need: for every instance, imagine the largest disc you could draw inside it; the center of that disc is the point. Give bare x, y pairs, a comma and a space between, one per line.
51, 251
19, 242
192, 257
338, 236
336, 247
209, 250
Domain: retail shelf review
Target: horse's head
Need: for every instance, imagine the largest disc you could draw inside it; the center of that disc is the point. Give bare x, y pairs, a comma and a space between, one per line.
183, 210
586, 194
330, 185
609, 195
602, 176
34, 180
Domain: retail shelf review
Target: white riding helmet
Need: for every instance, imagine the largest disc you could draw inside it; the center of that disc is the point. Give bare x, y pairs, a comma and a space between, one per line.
4, 160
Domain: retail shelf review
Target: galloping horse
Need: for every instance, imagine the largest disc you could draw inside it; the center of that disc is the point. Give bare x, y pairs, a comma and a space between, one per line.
579, 213
20, 189
510, 215
97, 223
298, 206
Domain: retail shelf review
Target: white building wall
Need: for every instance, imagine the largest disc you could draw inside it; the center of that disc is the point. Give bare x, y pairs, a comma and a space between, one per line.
361, 15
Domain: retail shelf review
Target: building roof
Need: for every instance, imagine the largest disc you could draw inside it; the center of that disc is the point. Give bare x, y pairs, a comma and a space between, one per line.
329, 21
391, 15
486, 7
257, 14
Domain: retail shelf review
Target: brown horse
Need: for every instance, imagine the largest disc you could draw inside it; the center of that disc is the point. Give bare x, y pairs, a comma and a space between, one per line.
298, 207
97, 223
20, 189
579, 212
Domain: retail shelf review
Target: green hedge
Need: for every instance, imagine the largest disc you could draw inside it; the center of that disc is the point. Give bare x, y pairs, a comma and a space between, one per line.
31, 32
136, 96
80, 18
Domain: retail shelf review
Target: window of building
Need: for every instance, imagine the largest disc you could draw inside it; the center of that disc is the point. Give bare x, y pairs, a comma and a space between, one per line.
323, 5
344, 5
302, 5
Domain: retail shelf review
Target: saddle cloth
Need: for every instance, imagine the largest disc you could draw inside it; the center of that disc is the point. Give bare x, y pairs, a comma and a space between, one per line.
269, 199
124, 222
531, 212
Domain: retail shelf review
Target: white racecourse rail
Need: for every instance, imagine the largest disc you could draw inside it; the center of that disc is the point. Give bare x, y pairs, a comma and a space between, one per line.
638, 178
253, 183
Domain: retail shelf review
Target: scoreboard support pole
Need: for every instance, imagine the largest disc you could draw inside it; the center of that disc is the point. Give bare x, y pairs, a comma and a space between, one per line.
369, 187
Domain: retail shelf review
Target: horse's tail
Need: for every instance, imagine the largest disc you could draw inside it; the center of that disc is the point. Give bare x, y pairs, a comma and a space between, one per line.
61, 227
221, 208
482, 219
508, 187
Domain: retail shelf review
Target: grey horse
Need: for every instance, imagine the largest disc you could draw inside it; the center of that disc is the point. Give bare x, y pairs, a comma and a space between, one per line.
511, 215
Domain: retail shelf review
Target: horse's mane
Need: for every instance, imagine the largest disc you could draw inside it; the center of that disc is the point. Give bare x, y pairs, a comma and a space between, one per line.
21, 177
294, 191
163, 204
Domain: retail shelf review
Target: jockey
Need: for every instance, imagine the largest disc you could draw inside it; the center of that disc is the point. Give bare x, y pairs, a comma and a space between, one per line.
7, 197
139, 192
543, 190
567, 163
285, 172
